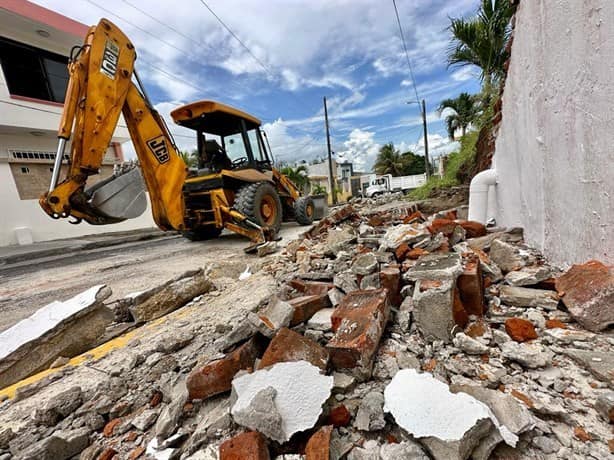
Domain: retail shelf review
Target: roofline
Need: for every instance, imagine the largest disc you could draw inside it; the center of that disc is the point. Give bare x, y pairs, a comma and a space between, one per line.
194, 109
45, 16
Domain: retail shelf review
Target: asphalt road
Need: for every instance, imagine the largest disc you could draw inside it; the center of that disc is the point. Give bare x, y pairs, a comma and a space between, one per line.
131, 267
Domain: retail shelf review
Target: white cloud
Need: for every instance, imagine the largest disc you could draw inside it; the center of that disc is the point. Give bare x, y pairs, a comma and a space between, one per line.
360, 149
438, 145
465, 73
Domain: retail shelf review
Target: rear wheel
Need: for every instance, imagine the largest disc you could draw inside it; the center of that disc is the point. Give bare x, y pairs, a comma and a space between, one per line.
260, 203
304, 210
204, 233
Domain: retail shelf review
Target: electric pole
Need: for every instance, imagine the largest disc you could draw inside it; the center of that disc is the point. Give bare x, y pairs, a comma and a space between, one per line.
331, 177
426, 141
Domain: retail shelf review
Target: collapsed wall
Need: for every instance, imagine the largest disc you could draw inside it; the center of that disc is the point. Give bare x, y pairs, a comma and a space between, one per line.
554, 154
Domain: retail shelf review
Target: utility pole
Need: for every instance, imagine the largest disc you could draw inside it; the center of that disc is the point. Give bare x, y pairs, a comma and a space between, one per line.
427, 163
331, 177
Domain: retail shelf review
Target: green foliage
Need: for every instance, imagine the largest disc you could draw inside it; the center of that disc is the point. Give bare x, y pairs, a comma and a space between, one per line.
482, 40
390, 161
457, 167
318, 189
465, 109
298, 175
190, 158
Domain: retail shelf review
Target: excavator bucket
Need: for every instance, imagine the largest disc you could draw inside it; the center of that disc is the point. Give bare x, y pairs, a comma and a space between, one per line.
121, 196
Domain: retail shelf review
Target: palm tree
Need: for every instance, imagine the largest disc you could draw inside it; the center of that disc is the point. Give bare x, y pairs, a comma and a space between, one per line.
189, 158
482, 40
464, 111
388, 161
297, 175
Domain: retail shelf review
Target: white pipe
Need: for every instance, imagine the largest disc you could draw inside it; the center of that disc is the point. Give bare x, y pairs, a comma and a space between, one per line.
478, 195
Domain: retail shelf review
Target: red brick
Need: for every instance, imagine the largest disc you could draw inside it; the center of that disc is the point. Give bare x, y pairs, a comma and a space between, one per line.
459, 313
445, 226
136, 453
288, 345
414, 216
318, 447
587, 290
311, 287
555, 324
108, 429
401, 252
216, 377
334, 218
520, 329
245, 446
476, 329
306, 306
339, 416
581, 434
472, 228
358, 322
416, 253
107, 454
471, 287
390, 279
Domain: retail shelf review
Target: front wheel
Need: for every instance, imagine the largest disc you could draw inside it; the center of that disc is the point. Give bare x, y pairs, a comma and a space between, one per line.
304, 210
260, 203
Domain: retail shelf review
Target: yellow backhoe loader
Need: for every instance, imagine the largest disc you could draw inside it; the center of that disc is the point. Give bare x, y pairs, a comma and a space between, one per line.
234, 186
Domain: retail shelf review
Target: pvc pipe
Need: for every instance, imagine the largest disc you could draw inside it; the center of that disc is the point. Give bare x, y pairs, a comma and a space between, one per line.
478, 195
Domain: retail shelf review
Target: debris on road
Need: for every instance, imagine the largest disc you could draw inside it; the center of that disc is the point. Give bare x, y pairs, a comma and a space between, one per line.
380, 333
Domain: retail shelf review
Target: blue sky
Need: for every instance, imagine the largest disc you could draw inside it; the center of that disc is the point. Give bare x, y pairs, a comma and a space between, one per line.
347, 50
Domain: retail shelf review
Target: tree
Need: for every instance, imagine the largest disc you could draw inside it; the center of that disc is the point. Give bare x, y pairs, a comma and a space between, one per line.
388, 161
190, 158
464, 111
412, 164
297, 175
318, 189
482, 40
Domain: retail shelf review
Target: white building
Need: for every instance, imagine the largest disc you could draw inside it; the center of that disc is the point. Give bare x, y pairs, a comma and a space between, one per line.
34, 45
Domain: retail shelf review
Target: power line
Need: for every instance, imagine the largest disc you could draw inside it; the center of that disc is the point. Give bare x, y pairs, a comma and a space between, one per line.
411, 72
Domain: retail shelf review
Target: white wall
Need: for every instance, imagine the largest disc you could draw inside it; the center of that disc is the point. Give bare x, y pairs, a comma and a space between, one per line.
555, 149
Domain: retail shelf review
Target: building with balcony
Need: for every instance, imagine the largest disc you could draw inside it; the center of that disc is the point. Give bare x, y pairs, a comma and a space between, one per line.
34, 47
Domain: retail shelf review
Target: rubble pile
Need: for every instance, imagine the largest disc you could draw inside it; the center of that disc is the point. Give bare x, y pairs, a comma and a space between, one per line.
386, 335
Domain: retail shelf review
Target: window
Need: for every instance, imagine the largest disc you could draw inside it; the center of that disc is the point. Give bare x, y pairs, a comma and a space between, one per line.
25, 170
257, 149
234, 147
33, 72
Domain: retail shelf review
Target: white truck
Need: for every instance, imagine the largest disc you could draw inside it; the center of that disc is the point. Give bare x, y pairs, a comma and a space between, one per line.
378, 185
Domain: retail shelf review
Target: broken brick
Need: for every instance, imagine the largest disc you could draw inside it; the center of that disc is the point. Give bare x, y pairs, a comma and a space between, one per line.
401, 252
416, 253
472, 228
108, 429
587, 290
476, 329
414, 216
311, 287
390, 279
471, 287
459, 311
524, 398
245, 446
156, 398
288, 345
555, 324
445, 226
107, 454
358, 322
581, 434
216, 377
306, 306
136, 453
520, 329
339, 416
318, 446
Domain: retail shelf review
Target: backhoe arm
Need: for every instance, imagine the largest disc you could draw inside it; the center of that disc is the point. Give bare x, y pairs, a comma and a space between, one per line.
99, 89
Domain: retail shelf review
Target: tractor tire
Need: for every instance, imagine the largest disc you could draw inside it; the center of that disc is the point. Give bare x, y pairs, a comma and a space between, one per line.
260, 203
304, 210
204, 233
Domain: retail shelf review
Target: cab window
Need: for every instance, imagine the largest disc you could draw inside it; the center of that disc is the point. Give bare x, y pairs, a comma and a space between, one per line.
234, 147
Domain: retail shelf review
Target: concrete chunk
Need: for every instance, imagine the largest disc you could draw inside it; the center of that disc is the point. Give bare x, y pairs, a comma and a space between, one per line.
528, 276
505, 256
170, 296
65, 328
531, 355
301, 390
433, 303
528, 297
370, 415
399, 234
276, 315
435, 267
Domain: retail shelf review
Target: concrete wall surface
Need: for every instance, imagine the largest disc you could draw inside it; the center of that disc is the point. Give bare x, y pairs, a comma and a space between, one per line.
555, 148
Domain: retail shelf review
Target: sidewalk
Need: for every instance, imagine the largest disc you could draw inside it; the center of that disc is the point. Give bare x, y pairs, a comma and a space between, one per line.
15, 253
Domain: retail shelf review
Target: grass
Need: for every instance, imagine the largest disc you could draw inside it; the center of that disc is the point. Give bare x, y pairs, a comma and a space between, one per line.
458, 163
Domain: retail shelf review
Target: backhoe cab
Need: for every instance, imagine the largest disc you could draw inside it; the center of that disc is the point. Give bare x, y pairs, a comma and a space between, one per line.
234, 186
